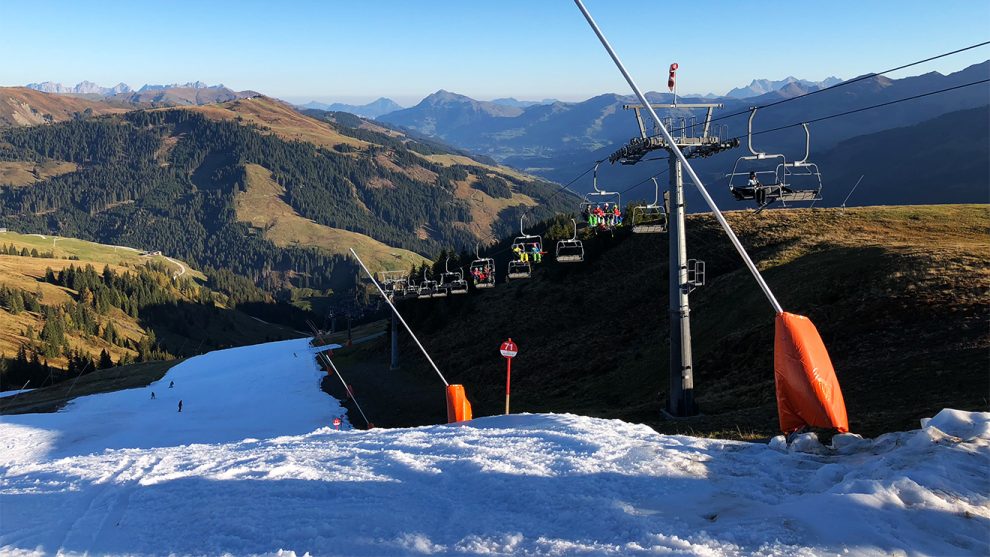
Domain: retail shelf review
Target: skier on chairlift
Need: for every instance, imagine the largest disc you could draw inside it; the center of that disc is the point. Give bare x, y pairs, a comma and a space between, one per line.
753, 188
537, 253
521, 253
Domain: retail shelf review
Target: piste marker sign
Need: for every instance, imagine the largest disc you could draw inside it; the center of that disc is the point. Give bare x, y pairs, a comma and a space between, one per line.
509, 349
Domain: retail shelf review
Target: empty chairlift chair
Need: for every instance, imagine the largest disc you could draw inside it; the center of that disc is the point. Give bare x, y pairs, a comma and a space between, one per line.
427, 288
650, 218
453, 281
570, 250
394, 283
482, 271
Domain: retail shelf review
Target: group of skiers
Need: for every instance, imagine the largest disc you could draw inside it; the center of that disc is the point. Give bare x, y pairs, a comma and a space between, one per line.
603, 217
481, 275
171, 385
526, 251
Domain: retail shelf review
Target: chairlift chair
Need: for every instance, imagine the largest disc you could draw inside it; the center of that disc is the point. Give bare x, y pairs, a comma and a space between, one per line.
650, 218
523, 269
519, 270
393, 282
427, 288
803, 177
604, 200
482, 270
778, 188
570, 250
453, 282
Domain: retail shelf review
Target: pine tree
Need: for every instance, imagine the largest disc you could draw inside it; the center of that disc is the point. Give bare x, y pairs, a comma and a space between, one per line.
105, 360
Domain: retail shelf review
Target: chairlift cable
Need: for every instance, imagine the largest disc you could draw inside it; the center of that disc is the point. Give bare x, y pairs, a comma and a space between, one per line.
779, 128
888, 103
848, 82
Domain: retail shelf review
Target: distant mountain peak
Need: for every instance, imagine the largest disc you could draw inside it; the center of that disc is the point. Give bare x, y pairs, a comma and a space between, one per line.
82, 88
374, 109
759, 87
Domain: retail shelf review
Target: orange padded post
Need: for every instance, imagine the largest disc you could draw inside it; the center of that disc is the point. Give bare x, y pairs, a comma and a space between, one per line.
458, 406
808, 392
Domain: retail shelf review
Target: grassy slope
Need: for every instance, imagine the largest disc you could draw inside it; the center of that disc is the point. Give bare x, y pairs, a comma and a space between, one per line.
263, 208
27, 273
21, 173
20, 106
898, 294
221, 328
92, 252
283, 120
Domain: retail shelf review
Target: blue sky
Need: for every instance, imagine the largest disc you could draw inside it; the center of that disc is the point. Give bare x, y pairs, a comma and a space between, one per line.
357, 51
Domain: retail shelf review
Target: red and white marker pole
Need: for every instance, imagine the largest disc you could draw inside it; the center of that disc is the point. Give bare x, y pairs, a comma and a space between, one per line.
509, 351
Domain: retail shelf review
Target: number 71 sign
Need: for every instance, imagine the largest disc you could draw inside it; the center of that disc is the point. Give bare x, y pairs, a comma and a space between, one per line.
509, 351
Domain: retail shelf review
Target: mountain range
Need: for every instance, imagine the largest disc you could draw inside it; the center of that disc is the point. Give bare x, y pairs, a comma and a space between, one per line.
373, 109
191, 93
561, 140
763, 86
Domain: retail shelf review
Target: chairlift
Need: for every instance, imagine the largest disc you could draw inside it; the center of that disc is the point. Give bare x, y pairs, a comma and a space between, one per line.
570, 250
598, 207
523, 246
453, 282
782, 178
802, 177
394, 283
482, 270
427, 288
652, 217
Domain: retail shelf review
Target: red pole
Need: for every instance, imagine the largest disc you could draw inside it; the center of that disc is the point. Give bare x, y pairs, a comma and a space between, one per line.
508, 376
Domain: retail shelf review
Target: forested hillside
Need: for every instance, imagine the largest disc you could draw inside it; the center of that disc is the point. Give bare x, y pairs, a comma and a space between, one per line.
73, 307
169, 180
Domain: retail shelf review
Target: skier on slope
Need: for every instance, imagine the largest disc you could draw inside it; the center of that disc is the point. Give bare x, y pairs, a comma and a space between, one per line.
180, 406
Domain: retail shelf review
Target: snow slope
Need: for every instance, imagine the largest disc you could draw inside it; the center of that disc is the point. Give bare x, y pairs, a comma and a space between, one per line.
506, 485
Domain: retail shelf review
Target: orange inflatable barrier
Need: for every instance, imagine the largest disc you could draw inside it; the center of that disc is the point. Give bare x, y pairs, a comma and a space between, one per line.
808, 392
458, 406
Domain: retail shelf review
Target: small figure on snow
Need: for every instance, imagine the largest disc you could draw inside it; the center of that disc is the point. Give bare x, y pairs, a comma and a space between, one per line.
152, 395
180, 406
171, 384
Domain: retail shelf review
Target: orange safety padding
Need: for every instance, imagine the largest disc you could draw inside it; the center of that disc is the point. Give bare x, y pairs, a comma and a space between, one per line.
458, 406
808, 392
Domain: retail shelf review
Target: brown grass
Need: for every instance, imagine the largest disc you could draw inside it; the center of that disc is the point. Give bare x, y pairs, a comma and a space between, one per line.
485, 208
262, 207
283, 120
899, 295
22, 173
451, 160
20, 106
27, 274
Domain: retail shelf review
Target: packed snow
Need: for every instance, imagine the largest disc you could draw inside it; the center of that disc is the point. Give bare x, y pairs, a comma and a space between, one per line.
249, 467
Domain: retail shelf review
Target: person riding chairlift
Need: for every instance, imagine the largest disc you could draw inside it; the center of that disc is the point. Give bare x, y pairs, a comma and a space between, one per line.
537, 253
521, 253
617, 215
599, 217
753, 190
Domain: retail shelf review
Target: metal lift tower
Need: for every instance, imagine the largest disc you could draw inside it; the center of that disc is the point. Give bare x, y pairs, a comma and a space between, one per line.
685, 274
